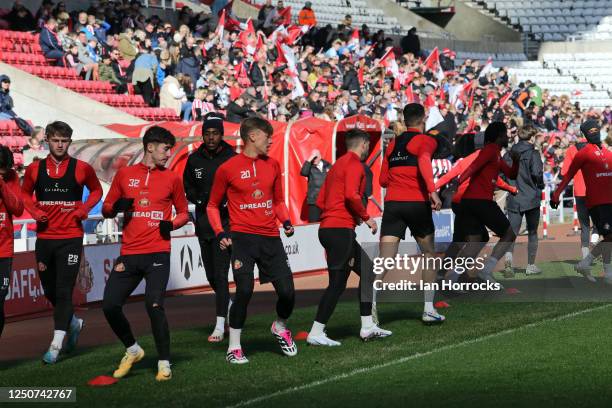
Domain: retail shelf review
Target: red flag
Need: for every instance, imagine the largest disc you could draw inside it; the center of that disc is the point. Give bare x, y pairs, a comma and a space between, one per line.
396, 84
281, 59
408, 79
354, 41
504, 99
441, 94
285, 16
409, 94
293, 34
360, 74
430, 101
433, 60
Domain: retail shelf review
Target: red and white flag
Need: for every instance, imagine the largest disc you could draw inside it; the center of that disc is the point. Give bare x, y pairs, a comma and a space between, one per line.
354, 41
488, 68
504, 99
388, 61
221, 26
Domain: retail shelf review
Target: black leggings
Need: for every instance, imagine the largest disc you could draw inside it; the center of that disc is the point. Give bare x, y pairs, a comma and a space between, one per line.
129, 270
245, 283
58, 263
343, 255
585, 222
5, 280
216, 264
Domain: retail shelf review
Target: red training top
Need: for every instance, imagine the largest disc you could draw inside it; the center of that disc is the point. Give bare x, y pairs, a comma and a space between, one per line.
411, 179
579, 186
10, 205
254, 195
59, 191
460, 166
596, 166
340, 196
154, 191
484, 171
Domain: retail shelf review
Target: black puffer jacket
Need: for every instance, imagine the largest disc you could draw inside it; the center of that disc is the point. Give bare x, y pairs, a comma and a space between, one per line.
316, 178
530, 179
198, 179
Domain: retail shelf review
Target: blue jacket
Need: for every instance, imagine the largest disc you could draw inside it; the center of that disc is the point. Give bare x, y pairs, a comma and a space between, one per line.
48, 41
6, 102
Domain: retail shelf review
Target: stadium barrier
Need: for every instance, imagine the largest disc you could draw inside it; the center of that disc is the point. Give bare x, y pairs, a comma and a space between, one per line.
305, 253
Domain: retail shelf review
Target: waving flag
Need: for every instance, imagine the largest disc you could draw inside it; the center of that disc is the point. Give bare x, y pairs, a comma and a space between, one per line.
488, 67
285, 15
221, 26
388, 61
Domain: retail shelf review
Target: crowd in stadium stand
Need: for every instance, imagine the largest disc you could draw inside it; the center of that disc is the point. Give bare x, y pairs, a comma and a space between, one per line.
286, 71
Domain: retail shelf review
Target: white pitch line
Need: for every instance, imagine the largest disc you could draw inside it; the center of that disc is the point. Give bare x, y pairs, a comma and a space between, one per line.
411, 357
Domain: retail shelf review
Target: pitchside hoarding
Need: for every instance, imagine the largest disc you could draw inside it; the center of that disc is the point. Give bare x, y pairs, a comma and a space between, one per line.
187, 269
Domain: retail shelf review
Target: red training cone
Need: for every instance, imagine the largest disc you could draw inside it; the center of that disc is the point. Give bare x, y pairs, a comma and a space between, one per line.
441, 305
512, 291
301, 335
102, 381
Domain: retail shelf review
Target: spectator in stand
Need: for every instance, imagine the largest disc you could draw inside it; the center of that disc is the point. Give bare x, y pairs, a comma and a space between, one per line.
44, 13
411, 43
306, 16
127, 45
107, 74
81, 23
6, 101
145, 72
50, 44
172, 95
20, 18
190, 61
237, 111
73, 61
121, 74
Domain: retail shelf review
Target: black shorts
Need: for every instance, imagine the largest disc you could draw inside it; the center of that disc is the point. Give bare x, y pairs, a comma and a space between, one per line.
399, 215
267, 252
5, 277
483, 213
460, 226
602, 218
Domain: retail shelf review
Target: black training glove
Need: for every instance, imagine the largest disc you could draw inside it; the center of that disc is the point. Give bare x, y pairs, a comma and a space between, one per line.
165, 227
223, 235
287, 226
123, 204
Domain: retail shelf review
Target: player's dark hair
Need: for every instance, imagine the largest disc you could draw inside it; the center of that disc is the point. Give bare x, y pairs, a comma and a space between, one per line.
527, 132
413, 114
254, 123
158, 134
353, 137
58, 128
6, 158
495, 130
464, 145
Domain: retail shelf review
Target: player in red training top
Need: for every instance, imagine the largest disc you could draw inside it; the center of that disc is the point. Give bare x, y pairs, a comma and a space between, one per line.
477, 205
579, 195
10, 205
342, 209
145, 193
467, 149
595, 162
408, 176
57, 182
252, 183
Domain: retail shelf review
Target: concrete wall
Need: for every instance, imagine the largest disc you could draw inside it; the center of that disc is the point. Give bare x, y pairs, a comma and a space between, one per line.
473, 46
43, 102
405, 17
471, 25
574, 47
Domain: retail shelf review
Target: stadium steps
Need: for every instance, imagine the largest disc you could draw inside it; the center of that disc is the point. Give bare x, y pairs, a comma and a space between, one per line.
22, 51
